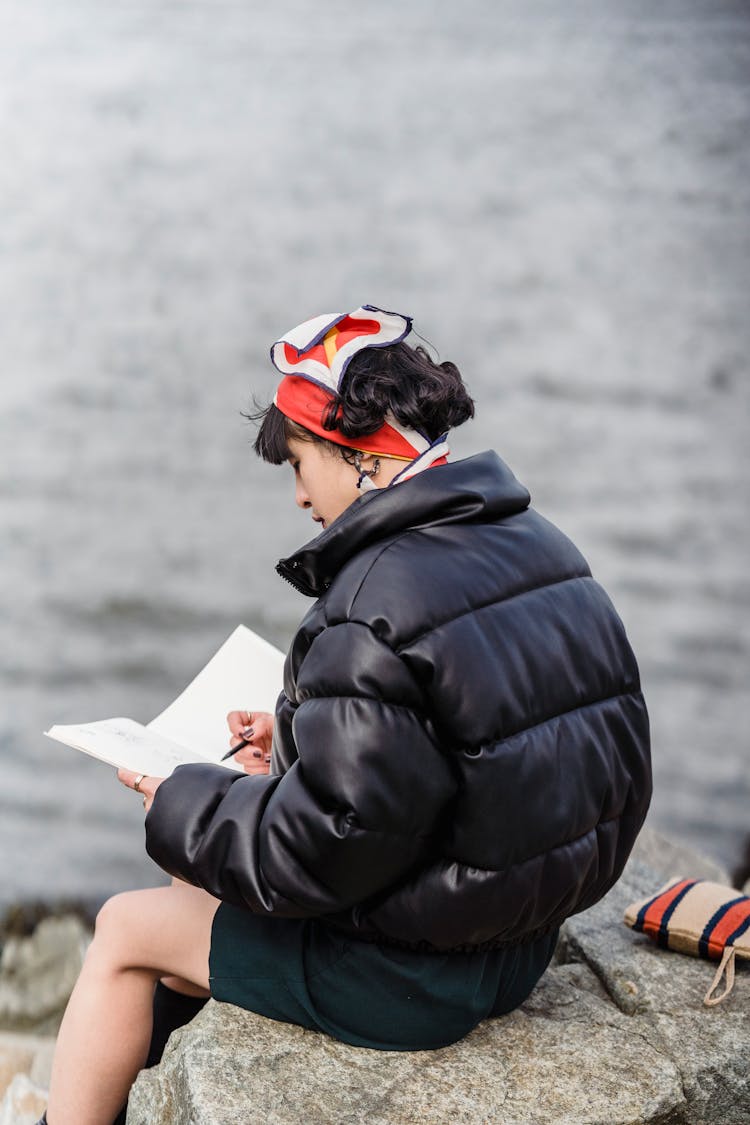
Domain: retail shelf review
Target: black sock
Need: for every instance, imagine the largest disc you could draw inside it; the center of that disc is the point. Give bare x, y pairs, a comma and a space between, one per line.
171, 1010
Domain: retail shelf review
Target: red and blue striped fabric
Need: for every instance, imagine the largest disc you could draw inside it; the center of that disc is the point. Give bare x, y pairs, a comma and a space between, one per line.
694, 916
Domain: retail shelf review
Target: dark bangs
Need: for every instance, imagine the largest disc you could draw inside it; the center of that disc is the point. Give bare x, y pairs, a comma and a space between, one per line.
274, 431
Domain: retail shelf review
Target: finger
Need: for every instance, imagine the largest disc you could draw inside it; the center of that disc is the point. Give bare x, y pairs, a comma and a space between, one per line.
127, 777
151, 785
263, 725
238, 720
239, 733
246, 735
248, 755
237, 716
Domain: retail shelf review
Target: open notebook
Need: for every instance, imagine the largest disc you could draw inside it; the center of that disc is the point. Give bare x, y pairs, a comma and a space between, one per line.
245, 674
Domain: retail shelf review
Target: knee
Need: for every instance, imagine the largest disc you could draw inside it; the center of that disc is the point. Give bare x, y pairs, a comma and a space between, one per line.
112, 914
113, 927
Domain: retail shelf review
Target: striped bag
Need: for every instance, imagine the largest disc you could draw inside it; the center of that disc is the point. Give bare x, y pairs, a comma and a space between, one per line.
704, 919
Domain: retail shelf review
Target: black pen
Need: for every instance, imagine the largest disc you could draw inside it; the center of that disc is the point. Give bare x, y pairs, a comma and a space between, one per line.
234, 749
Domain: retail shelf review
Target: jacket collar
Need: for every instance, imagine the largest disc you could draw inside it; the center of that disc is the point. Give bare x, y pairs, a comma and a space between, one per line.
481, 487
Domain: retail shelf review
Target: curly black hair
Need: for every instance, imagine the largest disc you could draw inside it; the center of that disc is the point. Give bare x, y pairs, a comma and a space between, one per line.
403, 381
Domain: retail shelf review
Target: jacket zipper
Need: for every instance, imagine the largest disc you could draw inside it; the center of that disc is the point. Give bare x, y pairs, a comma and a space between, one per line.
301, 587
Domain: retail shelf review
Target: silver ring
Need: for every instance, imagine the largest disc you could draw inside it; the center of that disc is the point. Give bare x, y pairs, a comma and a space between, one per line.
137, 782
144, 800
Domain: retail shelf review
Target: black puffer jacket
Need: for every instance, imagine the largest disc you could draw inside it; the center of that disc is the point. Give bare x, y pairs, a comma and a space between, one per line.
461, 751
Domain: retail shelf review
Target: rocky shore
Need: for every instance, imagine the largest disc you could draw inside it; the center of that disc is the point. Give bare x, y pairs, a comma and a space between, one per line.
616, 1033
37, 973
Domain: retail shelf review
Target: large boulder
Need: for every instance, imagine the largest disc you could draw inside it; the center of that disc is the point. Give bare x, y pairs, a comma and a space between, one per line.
616, 1032
37, 974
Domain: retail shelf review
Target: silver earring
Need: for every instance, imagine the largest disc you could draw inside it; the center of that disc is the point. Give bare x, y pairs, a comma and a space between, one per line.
364, 483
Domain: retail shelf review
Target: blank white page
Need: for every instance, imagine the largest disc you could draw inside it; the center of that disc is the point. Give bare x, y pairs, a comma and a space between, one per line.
245, 675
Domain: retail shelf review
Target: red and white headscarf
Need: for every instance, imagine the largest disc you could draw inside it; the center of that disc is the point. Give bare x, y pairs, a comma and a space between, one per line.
313, 358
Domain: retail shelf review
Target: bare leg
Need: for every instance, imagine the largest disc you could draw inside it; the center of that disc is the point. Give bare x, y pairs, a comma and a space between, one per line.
179, 984
184, 987
140, 936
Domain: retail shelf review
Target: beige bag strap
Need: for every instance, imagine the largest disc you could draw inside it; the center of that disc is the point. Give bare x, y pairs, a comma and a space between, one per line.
726, 964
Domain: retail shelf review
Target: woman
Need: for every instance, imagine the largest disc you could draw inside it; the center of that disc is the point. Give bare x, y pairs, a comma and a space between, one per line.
460, 755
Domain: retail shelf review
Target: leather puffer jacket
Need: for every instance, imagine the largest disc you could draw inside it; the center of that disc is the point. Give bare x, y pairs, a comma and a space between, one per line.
461, 750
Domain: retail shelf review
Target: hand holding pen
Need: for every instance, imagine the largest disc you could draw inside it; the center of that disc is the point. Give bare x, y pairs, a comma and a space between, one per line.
250, 743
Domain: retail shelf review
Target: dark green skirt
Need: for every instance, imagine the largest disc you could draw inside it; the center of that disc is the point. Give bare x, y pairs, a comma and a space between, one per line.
302, 972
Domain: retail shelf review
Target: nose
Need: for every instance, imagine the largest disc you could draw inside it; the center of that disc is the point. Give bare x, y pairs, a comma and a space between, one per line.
301, 498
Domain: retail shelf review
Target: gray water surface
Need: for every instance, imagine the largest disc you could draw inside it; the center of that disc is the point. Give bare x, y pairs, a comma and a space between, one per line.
558, 193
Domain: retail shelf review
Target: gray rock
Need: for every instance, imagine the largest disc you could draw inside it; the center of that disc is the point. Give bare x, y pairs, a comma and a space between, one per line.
231, 1065
637, 975
37, 973
615, 1033
668, 857
25, 1054
23, 1102
710, 1046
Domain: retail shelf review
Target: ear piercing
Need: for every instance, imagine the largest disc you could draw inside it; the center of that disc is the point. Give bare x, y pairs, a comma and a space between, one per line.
364, 483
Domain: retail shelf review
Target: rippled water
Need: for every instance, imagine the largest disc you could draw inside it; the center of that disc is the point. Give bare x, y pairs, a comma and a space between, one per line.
557, 192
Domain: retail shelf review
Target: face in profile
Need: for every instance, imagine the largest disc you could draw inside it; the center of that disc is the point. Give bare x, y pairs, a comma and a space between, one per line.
325, 483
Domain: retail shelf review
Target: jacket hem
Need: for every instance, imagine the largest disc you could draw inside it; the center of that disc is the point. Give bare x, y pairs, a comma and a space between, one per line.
424, 946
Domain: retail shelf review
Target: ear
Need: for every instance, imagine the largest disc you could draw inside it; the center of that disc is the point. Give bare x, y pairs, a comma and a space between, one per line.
367, 460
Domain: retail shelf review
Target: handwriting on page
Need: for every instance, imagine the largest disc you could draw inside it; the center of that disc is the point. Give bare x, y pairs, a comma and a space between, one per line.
123, 742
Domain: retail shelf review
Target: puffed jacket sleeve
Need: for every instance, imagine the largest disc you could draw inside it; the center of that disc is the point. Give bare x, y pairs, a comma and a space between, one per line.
356, 811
